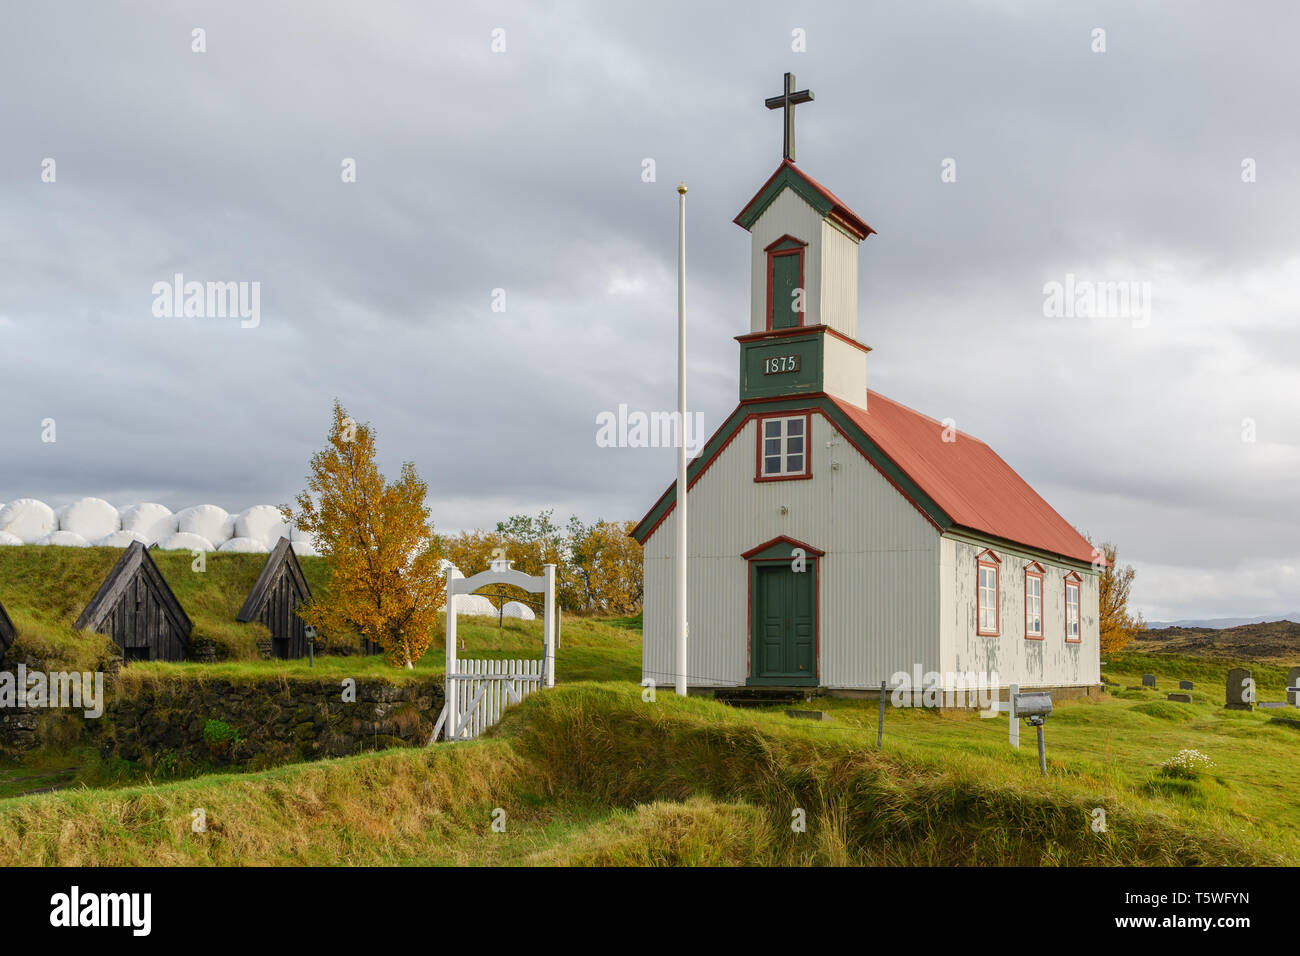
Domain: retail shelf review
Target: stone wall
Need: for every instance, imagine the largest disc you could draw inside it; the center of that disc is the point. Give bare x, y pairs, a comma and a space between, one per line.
238, 724
257, 724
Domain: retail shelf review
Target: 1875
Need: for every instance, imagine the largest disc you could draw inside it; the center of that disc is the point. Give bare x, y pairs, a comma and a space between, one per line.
780, 363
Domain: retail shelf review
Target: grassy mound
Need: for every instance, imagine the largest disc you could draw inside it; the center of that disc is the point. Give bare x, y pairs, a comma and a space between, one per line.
1165, 710
592, 775
905, 805
45, 589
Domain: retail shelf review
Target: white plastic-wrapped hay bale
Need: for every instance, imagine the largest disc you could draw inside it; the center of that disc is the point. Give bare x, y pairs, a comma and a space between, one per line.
206, 521
28, 520
92, 518
304, 544
65, 539
261, 523
518, 610
152, 521
474, 605
243, 546
187, 541
8, 540
120, 539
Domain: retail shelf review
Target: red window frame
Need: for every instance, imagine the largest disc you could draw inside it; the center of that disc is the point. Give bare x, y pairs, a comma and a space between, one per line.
807, 447
987, 559
1034, 570
772, 253
1072, 580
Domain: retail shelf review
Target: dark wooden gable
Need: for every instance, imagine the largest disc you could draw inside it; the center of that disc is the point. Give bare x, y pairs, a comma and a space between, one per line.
274, 600
7, 630
135, 607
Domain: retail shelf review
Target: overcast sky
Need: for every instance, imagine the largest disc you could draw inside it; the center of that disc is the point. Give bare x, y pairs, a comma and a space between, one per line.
521, 170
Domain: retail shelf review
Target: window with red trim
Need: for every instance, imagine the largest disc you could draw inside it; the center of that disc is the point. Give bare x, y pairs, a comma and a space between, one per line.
785, 289
1072, 633
988, 571
1034, 601
783, 447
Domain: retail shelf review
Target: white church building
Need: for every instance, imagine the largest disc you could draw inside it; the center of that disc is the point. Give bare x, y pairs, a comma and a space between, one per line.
836, 537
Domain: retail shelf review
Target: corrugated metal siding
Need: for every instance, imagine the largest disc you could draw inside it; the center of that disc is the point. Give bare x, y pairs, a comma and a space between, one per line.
877, 602
839, 281
1051, 661
787, 214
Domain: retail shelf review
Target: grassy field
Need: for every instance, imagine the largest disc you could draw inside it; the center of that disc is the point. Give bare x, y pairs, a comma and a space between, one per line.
590, 649
590, 774
45, 589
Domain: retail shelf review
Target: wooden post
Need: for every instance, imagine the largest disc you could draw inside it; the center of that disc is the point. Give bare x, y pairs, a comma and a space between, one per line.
1014, 729
548, 629
450, 682
880, 721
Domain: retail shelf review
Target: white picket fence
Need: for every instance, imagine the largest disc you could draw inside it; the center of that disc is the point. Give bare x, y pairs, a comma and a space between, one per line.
483, 689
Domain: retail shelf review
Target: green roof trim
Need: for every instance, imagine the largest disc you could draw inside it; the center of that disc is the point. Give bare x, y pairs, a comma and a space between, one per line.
821, 403
786, 176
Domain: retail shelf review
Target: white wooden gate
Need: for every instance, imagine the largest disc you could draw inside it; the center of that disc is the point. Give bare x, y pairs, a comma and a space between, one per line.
478, 691
484, 689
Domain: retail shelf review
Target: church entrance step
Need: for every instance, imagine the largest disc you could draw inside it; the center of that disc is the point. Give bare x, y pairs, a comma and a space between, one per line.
761, 696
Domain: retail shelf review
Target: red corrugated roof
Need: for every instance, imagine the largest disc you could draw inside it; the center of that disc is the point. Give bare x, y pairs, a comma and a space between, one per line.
966, 478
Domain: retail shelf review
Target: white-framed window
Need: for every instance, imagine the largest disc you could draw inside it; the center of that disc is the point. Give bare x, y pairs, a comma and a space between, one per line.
783, 447
988, 572
1034, 601
1072, 611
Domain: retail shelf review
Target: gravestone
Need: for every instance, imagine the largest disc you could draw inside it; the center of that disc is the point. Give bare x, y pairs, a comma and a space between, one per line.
808, 714
1180, 698
1148, 680
1184, 685
1293, 680
1241, 689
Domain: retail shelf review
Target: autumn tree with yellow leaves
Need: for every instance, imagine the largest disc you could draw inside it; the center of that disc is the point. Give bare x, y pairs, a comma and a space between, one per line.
598, 566
1117, 624
607, 563
378, 544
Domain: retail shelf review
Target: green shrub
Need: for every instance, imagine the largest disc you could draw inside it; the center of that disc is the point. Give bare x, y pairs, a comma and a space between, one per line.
218, 733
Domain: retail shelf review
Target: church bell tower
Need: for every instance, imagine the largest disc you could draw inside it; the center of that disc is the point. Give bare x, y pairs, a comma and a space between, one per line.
803, 321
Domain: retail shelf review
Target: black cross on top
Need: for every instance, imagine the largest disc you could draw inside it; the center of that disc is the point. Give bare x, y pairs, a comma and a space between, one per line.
787, 101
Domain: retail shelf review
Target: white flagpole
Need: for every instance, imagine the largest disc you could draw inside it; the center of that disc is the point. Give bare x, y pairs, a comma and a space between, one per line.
681, 439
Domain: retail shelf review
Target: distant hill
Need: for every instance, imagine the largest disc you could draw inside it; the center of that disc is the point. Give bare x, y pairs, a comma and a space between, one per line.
1222, 622
1267, 642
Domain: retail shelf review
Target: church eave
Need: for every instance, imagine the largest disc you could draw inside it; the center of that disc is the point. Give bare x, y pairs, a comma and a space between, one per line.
812, 192
842, 423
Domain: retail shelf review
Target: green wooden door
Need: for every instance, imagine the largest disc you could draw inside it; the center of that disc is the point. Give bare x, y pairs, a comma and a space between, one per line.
784, 619
785, 281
